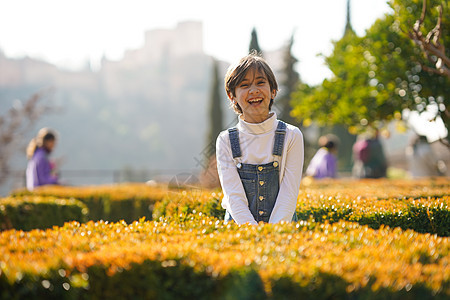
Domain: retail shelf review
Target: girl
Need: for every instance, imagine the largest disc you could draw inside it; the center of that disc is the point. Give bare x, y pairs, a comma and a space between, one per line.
40, 171
260, 160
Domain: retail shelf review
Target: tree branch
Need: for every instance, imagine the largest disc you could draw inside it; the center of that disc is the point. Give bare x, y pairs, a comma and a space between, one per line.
13, 126
430, 44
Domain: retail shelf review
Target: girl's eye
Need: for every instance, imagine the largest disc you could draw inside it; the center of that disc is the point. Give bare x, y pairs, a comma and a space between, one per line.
244, 85
261, 82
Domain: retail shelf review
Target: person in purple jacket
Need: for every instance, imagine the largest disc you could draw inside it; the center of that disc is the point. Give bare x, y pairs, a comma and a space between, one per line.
324, 162
40, 170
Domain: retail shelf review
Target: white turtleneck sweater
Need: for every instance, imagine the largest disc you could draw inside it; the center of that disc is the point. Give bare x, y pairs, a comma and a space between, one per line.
256, 141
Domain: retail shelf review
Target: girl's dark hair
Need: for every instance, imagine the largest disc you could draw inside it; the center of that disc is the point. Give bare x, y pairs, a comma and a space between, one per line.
236, 73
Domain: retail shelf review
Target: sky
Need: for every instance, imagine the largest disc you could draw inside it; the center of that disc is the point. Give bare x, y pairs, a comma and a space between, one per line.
72, 33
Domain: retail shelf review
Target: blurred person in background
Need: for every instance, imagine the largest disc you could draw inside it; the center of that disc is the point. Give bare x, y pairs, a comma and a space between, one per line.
40, 170
422, 161
369, 160
324, 162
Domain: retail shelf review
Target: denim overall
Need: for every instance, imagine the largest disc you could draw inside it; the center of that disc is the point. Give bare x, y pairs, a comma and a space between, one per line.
261, 182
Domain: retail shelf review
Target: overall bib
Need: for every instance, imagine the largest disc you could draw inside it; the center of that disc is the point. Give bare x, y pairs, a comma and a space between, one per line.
261, 182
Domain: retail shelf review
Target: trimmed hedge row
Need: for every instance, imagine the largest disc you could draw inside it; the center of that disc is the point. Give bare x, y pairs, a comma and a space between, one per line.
425, 215
355, 201
112, 203
182, 204
203, 258
377, 188
33, 212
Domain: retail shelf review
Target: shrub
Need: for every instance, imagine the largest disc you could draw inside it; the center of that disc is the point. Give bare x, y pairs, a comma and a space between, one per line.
127, 202
30, 212
204, 258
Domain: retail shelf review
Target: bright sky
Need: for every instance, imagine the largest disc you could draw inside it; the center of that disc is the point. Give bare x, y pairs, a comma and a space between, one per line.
70, 33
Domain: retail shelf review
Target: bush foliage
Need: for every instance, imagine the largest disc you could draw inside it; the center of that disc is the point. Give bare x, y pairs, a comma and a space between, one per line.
112, 203
380, 239
32, 212
205, 258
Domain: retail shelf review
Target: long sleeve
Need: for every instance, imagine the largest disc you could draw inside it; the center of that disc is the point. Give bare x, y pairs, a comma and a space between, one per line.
235, 200
291, 178
40, 169
44, 172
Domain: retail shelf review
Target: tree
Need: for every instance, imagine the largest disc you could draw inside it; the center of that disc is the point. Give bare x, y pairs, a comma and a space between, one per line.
210, 177
290, 81
374, 78
428, 26
254, 46
215, 109
348, 24
429, 40
14, 124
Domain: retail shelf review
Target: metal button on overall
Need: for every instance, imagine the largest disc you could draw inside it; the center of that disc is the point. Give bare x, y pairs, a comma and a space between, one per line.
261, 182
261, 198
260, 168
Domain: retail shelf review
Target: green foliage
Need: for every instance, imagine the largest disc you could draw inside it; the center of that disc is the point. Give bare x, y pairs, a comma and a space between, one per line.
254, 45
215, 111
376, 76
32, 212
423, 214
184, 204
127, 202
290, 81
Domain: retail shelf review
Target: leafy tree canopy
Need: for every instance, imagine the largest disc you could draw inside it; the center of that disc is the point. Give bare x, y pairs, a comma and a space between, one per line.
378, 75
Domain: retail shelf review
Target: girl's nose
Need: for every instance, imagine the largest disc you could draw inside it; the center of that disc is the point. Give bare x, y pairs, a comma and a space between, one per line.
253, 89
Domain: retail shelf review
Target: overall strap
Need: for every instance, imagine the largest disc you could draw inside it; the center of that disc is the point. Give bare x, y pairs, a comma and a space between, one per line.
234, 141
280, 134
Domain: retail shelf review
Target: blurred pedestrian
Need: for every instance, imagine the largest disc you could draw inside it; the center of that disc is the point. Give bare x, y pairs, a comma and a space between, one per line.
324, 162
422, 161
40, 170
369, 160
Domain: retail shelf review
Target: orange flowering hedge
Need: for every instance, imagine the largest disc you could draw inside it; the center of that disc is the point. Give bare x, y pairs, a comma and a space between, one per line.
30, 212
421, 205
117, 202
204, 258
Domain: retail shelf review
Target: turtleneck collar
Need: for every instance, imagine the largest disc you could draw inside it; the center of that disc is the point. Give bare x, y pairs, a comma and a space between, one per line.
258, 128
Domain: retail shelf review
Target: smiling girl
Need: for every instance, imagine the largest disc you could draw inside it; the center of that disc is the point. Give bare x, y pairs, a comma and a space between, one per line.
260, 160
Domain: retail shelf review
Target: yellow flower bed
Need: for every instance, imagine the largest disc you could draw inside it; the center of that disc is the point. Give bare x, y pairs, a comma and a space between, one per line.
214, 260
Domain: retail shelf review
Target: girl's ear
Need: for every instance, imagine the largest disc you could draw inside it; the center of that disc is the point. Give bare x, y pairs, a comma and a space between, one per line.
230, 96
274, 94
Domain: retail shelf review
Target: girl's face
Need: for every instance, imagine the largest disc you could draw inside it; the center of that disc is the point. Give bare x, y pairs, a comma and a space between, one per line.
253, 95
49, 145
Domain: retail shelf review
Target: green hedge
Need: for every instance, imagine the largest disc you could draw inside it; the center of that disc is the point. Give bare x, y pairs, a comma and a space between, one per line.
32, 212
182, 204
424, 215
113, 203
